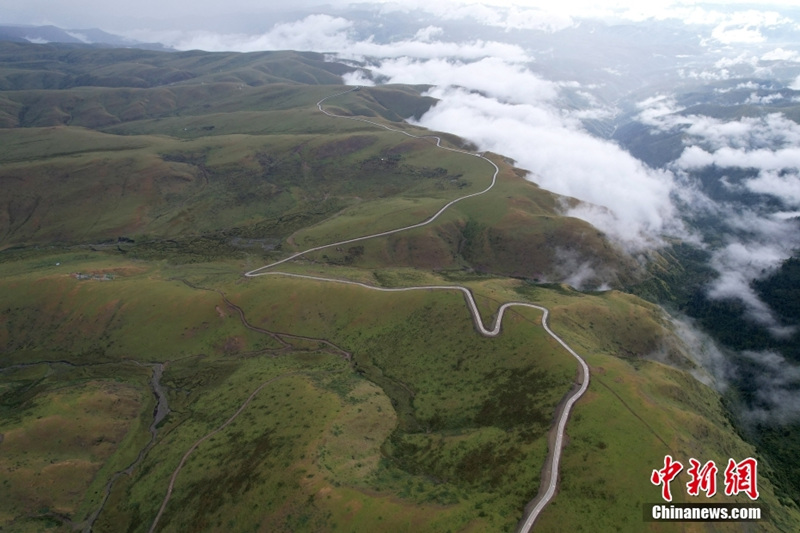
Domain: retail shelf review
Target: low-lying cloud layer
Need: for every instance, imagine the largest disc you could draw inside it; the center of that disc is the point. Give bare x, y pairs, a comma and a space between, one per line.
747, 156
777, 383
759, 236
332, 34
629, 201
774, 380
505, 108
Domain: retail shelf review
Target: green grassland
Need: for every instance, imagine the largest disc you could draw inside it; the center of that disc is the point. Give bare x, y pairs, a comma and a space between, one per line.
157, 187
635, 396
54, 67
427, 442
426, 429
74, 433
139, 186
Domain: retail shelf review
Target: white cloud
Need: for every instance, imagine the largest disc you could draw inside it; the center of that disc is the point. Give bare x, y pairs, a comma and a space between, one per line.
716, 133
567, 160
661, 112
729, 35
493, 76
746, 26
507, 109
714, 366
447, 10
786, 186
757, 240
575, 270
741, 262
730, 27
593, 113
776, 385
767, 99
756, 246
79, 36
428, 33
764, 159
516, 16
744, 85
771, 133
776, 380
357, 77
786, 215
471, 50
320, 33
742, 59
705, 75
779, 54
536, 19
324, 33
774, 130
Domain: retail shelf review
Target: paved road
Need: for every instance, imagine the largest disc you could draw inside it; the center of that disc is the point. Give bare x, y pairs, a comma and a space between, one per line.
393, 231
550, 470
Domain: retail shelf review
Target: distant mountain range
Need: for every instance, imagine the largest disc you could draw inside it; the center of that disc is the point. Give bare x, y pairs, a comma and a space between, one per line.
53, 34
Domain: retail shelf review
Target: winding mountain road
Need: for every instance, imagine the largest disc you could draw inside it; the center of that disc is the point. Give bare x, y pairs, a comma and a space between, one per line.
550, 470
425, 222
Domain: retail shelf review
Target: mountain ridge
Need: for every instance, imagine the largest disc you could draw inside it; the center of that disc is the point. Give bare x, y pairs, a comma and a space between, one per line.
52, 34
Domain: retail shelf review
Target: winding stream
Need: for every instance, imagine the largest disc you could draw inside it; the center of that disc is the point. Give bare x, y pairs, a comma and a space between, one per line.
160, 412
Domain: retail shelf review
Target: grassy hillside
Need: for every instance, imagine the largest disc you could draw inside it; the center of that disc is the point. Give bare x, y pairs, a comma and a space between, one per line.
130, 211
61, 66
434, 428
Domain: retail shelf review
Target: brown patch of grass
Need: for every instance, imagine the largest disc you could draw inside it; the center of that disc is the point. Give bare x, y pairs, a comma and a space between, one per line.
51, 455
232, 345
345, 146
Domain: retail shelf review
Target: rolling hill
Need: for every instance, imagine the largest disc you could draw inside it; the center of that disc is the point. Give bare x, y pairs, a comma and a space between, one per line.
146, 382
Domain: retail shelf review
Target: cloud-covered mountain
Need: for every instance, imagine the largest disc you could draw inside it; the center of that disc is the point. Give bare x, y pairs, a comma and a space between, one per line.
53, 34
